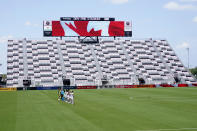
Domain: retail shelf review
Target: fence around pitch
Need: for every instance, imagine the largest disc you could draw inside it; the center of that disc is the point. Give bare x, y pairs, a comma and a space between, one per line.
97, 87
8, 89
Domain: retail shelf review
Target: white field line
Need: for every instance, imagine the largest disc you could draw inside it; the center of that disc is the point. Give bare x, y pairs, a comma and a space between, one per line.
170, 129
164, 98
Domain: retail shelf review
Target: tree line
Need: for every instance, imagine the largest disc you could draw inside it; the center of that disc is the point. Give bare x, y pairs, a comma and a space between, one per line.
194, 71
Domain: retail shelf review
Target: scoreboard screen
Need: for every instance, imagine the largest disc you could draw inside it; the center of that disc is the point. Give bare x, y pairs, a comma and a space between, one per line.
87, 28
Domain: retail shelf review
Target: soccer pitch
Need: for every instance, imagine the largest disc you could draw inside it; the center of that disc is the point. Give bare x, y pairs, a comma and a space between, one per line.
145, 109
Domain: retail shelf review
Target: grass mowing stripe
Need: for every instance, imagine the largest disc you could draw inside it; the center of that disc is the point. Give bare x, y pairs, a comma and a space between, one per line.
8, 105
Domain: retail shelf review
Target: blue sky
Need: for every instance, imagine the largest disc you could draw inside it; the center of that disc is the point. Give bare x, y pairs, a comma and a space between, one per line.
174, 20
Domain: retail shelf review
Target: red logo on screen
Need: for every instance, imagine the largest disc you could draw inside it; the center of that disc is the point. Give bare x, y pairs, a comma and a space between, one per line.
116, 28
80, 27
57, 29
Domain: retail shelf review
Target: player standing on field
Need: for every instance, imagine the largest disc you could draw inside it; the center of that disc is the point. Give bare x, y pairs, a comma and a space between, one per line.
72, 97
62, 94
66, 96
59, 94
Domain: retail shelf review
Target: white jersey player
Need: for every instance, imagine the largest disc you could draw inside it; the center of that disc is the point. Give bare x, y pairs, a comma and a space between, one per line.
71, 97
66, 96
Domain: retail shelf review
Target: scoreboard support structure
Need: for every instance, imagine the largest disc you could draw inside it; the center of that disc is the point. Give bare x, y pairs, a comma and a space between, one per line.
88, 39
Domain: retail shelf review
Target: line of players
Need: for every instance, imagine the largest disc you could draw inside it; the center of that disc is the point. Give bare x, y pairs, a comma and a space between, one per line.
66, 95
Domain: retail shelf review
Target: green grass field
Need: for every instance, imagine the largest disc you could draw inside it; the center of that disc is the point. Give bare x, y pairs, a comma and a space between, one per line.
145, 109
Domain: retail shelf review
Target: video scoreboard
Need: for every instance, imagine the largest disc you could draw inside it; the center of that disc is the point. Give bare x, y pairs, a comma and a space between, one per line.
87, 26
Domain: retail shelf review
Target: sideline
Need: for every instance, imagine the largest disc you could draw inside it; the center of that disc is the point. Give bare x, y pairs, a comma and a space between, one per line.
169, 129
163, 98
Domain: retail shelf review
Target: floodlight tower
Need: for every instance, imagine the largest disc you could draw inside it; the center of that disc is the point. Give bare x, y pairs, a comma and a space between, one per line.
188, 56
0, 66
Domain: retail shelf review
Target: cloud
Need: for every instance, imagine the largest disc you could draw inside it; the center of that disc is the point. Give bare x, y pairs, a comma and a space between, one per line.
176, 6
117, 1
4, 39
183, 45
28, 23
195, 19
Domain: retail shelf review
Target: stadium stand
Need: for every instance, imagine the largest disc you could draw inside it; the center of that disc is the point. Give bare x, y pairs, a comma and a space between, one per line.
109, 62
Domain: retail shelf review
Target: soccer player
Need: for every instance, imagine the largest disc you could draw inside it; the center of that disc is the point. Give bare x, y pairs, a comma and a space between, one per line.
62, 94
72, 97
59, 94
66, 96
